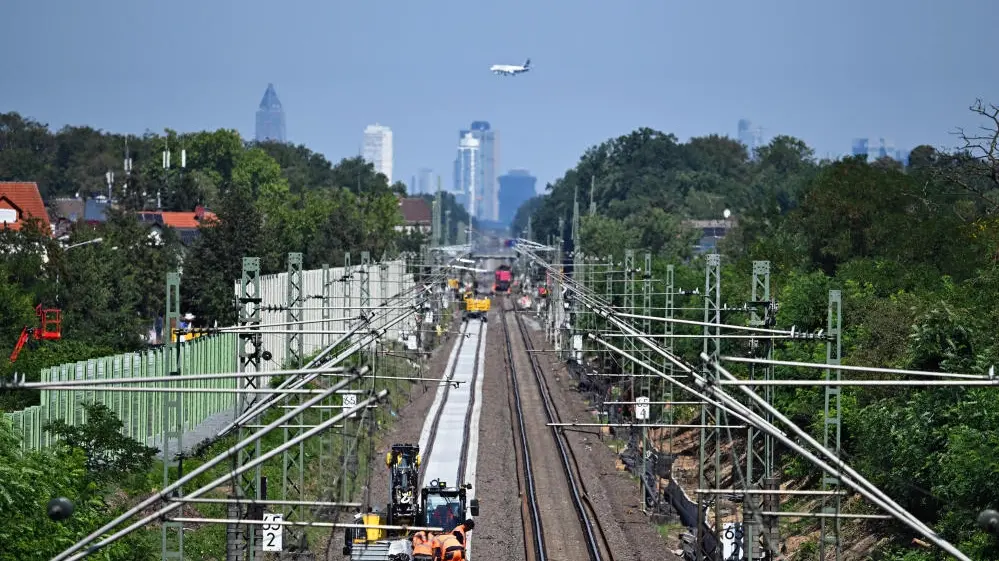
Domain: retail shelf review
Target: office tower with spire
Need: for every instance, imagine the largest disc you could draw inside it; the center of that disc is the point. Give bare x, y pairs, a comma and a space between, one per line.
270, 118
378, 148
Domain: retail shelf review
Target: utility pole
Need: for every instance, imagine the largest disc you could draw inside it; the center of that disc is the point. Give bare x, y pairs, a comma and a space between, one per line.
241, 538
293, 465
173, 417
712, 348
832, 428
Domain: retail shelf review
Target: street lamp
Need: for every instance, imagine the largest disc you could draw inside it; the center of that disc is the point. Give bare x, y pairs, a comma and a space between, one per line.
67, 248
95, 240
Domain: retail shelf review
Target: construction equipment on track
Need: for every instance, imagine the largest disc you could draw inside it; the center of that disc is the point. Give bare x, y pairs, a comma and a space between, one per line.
475, 308
439, 506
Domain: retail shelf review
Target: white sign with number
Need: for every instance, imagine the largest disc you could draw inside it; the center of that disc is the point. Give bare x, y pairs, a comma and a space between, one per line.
577, 342
642, 408
349, 402
272, 532
411, 342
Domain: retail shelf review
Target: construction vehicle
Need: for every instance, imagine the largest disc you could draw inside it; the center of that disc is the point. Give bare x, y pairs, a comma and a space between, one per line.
49, 329
474, 307
436, 506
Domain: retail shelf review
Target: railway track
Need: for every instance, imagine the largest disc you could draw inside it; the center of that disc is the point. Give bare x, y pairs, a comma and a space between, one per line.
536, 542
445, 455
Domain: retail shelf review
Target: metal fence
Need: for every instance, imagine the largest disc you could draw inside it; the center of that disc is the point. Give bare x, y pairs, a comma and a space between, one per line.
142, 412
384, 280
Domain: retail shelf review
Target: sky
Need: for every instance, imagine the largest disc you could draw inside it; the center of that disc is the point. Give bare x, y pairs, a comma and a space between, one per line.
824, 71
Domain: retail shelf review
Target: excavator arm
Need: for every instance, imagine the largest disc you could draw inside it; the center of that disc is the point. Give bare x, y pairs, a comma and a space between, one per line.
21, 341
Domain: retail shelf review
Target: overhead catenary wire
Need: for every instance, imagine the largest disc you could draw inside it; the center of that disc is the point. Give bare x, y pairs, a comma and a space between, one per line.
167, 491
159, 514
861, 485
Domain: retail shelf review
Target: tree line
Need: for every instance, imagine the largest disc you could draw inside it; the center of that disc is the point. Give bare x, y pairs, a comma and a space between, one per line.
268, 199
913, 247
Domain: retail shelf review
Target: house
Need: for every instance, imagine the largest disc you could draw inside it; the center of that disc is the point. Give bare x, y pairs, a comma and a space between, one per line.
417, 215
184, 223
67, 212
710, 231
20, 202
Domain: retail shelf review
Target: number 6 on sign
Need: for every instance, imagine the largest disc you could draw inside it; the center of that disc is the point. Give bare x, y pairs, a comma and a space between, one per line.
641, 408
349, 402
272, 532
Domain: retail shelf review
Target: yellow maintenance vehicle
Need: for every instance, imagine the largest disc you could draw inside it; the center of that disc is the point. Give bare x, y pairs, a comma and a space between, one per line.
475, 307
435, 506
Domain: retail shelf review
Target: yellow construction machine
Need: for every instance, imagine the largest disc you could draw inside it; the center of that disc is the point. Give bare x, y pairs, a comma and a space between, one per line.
387, 535
475, 307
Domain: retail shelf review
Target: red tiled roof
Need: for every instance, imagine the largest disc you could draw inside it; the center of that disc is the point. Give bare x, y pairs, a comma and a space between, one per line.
26, 200
181, 220
415, 209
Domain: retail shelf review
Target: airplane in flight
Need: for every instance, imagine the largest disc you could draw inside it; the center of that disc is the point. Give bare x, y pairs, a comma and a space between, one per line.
510, 69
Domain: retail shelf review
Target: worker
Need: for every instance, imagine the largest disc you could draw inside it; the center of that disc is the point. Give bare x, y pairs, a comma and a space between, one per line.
460, 529
423, 546
435, 546
451, 549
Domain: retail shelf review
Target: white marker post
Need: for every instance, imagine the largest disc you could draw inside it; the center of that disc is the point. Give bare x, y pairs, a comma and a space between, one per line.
642, 414
272, 532
349, 401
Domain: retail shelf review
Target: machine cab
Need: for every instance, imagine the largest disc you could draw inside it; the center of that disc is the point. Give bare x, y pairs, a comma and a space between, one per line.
446, 507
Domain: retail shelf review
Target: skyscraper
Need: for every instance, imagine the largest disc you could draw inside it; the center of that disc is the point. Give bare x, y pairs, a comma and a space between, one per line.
270, 117
378, 148
515, 189
466, 173
488, 154
875, 151
751, 137
424, 182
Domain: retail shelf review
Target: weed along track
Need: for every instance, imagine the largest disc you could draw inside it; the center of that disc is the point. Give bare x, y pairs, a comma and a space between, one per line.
552, 485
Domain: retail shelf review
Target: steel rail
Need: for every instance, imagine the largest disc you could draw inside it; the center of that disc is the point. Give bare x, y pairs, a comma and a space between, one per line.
575, 485
532, 495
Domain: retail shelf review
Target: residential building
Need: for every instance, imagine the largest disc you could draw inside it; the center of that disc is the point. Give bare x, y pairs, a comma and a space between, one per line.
466, 174
515, 189
270, 117
417, 215
378, 148
184, 223
711, 231
487, 164
21, 202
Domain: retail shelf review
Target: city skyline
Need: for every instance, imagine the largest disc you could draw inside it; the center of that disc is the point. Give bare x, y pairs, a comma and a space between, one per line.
649, 77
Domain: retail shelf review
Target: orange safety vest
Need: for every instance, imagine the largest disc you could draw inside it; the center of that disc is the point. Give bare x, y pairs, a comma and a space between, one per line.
422, 545
451, 549
435, 547
460, 529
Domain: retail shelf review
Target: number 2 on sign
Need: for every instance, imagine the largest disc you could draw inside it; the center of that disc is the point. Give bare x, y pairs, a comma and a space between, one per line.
272, 532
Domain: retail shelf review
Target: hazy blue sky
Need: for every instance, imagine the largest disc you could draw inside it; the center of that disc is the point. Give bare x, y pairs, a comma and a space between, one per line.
825, 71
